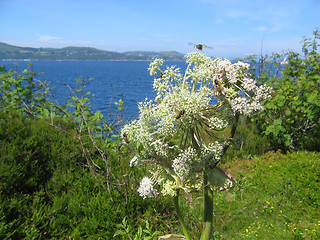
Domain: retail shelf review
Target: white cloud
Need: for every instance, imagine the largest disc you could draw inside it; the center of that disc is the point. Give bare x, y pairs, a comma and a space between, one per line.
49, 38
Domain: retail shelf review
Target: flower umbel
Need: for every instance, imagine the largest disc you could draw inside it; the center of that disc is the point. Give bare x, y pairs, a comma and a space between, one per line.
176, 134
146, 188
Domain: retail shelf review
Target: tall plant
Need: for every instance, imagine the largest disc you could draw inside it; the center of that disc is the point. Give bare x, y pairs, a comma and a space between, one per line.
183, 133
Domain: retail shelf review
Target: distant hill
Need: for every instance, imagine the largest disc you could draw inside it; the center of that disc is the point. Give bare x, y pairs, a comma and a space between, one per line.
81, 53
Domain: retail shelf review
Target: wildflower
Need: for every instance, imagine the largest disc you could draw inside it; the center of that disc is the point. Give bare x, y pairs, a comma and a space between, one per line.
134, 161
183, 164
146, 188
248, 84
169, 188
154, 67
168, 132
217, 123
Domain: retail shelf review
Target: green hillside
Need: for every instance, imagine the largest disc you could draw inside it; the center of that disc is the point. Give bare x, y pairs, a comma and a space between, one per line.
80, 53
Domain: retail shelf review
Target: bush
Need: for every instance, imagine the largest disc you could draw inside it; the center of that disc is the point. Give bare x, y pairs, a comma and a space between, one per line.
20, 91
291, 120
47, 191
248, 141
30, 151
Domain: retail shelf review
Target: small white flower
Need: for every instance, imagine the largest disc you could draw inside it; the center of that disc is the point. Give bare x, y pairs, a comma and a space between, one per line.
169, 188
217, 123
227, 185
185, 163
134, 161
154, 67
248, 84
213, 150
146, 188
239, 104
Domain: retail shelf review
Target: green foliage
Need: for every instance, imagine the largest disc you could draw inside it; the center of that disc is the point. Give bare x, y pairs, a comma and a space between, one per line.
47, 192
53, 162
125, 230
30, 150
291, 120
277, 197
247, 142
21, 90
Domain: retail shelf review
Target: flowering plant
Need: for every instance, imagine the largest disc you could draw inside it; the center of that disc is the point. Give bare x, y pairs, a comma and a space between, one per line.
176, 133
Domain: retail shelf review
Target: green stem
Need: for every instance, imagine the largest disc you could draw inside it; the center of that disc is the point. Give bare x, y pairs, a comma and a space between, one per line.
208, 209
180, 217
185, 74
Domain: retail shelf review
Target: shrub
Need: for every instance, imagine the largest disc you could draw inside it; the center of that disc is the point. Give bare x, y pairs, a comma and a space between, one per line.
292, 118
20, 91
30, 151
48, 192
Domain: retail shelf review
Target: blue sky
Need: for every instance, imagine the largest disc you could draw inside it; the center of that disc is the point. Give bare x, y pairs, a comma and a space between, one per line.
233, 28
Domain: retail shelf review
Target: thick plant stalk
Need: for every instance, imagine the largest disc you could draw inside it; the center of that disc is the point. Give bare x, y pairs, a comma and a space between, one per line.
180, 217
208, 209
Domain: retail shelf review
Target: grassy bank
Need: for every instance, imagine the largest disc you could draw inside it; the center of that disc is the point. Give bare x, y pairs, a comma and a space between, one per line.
277, 197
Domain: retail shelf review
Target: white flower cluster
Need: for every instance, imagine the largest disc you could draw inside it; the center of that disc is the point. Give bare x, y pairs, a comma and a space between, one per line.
202, 67
184, 164
234, 83
248, 105
155, 66
227, 185
248, 84
160, 149
262, 92
212, 152
134, 161
217, 123
205, 98
169, 188
245, 106
146, 188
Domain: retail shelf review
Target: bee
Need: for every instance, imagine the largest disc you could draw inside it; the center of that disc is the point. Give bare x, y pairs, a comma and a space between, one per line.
160, 76
125, 137
180, 113
200, 46
218, 86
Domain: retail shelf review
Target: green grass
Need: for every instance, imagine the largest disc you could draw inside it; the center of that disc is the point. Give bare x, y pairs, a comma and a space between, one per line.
278, 197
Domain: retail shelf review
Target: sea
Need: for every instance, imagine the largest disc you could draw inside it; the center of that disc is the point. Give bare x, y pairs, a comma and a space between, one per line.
111, 81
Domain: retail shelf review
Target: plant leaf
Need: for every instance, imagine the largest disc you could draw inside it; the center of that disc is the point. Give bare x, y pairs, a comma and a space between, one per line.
220, 178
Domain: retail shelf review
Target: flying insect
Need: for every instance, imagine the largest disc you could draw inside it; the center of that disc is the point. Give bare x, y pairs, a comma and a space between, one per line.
200, 46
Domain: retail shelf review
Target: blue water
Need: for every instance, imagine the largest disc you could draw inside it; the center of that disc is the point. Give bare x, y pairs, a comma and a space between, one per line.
112, 80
